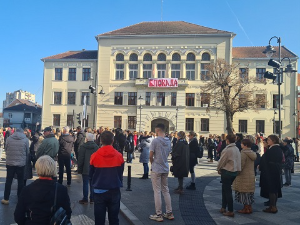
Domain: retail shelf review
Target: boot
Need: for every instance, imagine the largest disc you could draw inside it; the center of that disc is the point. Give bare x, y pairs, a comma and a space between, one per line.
271, 209
230, 214
222, 210
245, 210
145, 176
192, 186
250, 209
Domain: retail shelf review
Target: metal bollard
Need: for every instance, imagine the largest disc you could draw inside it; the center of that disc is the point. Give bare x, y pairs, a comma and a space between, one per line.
129, 179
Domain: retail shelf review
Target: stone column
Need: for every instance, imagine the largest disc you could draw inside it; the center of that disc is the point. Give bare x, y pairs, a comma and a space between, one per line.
183, 69
126, 70
140, 68
154, 70
198, 70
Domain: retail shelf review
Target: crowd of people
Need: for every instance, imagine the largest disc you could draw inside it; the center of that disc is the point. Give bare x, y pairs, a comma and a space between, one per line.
98, 156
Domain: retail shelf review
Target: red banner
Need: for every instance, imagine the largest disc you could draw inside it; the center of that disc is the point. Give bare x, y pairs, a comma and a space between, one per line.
163, 82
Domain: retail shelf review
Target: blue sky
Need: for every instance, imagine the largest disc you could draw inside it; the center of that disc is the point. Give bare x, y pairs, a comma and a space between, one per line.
33, 29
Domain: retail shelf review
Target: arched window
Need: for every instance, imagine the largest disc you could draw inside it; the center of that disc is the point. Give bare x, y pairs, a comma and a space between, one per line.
147, 57
161, 57
176, 57
190, 57
120, 57
205, 57
133, 57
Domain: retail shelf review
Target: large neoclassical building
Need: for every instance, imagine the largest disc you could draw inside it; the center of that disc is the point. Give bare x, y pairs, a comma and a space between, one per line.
151, 73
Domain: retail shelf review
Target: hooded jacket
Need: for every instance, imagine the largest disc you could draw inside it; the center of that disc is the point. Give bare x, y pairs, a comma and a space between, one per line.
106, 169
79, 140
49, 147
36, 200
66, 143
85, 152
145, 143
245, 180
16, 148
161, 148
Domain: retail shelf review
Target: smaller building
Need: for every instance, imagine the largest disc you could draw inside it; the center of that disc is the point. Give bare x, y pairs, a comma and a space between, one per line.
23, 113
1, 120
19, 94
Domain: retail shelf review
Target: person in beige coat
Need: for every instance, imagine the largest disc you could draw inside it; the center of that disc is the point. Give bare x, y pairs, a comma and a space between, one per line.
244, 183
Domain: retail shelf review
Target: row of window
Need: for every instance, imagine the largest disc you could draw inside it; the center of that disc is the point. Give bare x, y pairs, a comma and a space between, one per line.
260, 126
244, 74
71, 100
70, 120
86, 74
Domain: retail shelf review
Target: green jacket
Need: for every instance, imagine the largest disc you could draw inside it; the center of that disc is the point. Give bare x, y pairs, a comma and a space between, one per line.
85, 152
49, 146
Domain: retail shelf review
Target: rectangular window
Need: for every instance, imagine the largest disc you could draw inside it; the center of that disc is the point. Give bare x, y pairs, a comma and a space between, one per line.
56, 120
190, 99
189, 124
133, 71
243, 103
86, 74
118, 98
161, 70
244, 74
131, 122
148, 98
70, 121
204, 124
204, 71
72, 74
260, 74
190, 71
132, 98
147, 71
58, 73
117, 121
205, 99
175, 73
260, 126
87, 94
160, 98
119, 71
243, 126
276, 128
261, 101
276, 101
173, 98
71, 98
57, 98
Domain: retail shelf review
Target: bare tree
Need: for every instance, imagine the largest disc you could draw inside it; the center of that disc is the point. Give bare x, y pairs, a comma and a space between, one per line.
231, 90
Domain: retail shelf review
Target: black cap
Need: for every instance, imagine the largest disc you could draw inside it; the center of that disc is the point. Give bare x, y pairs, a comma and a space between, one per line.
48, 129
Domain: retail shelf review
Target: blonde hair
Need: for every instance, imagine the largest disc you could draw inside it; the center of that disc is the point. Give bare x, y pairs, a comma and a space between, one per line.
146, 133
45, 167
251, 138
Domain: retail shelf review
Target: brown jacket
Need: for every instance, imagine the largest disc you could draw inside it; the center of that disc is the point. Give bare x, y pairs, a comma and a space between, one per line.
245, 181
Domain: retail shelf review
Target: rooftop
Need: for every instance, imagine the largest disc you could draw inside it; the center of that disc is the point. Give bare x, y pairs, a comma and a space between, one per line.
83, 54
23, 102
163, 28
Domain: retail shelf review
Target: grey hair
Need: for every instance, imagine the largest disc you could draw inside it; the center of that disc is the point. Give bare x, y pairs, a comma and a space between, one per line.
90, 137
19, 130
251, 138
45, 167
66, 129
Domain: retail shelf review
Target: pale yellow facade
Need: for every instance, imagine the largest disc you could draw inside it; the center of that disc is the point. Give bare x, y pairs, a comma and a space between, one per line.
108, 114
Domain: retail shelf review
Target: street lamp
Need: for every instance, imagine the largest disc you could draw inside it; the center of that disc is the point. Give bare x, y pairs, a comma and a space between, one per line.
94, 91
269, 51
274, 124
176, 117
140, 108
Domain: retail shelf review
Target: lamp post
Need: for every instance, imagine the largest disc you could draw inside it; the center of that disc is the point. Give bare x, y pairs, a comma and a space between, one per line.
295, 115
269, 51
140, 108
176, 117
274, 124
94, 91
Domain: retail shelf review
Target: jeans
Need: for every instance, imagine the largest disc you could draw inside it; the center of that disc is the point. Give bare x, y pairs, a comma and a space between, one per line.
210, 153
64, 161
110, 200
129, 157
227, 199
160, 185
11, 170
288, 177
180, 183
146, 168
86, 183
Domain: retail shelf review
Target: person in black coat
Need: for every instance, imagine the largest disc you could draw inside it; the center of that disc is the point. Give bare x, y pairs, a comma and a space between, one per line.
180, 160
7, 134
66, 142
193, 147
36, 200
239, 138
80, 137
272, 166
288, 152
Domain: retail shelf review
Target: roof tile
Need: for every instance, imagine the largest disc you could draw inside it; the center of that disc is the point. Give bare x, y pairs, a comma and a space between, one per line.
84, 54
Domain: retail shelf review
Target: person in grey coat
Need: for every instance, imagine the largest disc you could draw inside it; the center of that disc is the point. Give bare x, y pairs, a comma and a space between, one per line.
17, 149
84, 156
144, 147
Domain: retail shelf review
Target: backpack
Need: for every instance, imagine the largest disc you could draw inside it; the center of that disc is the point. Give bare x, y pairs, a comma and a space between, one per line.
199, 152
128, 147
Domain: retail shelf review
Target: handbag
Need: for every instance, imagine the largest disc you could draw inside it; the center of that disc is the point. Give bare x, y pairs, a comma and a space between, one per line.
60, 216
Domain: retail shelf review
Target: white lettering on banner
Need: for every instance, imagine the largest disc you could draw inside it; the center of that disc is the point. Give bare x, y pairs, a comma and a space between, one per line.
163, 82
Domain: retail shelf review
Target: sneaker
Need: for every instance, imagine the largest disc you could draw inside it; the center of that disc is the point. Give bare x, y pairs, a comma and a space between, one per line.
157, 218
4, 202
83, 202
169, 216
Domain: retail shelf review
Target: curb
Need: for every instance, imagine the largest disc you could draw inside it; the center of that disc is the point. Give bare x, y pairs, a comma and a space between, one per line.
129, 216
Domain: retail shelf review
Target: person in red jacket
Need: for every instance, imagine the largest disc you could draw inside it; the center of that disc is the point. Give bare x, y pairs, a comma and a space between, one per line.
106, 174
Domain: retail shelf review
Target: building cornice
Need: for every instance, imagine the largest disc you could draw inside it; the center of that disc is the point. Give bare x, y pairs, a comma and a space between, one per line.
69, 60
